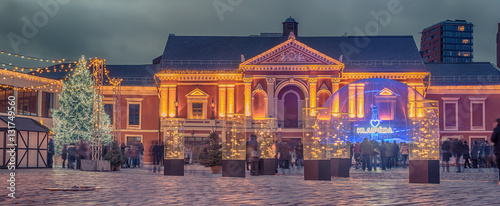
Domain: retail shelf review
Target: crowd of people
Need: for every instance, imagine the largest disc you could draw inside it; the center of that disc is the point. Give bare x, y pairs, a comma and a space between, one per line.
75, 153
481, 154
370, 154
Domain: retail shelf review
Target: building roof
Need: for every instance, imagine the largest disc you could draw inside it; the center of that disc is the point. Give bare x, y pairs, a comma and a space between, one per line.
470, 73
450, 22
290, 19
360, 53
26, 124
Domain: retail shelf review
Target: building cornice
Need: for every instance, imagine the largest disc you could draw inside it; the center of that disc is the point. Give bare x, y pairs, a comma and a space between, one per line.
188, 76
397, 76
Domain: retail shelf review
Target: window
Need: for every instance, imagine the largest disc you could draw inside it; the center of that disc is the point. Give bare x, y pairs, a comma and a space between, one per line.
197, 110
108, 108
461, 28
450, 108
5, 93
27, 102
48, 103
134, 140
477, 113
134, 114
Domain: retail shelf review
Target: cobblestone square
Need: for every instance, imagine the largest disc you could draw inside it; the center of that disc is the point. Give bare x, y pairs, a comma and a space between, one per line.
141, 186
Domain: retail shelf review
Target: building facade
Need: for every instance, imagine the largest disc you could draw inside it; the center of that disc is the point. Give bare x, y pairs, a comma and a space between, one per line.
448, 41
204, 79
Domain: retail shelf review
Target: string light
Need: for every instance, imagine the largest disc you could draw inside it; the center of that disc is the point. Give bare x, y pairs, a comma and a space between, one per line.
22, 56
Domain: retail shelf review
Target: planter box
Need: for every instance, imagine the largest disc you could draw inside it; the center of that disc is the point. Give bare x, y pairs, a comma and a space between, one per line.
317, 170
173, 167
267, 167
88, 165
340, 167
424, 171
216, 170
103, 165
233, 168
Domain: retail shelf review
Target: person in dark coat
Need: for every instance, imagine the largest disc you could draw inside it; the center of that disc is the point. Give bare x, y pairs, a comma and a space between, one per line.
495, 138
366, 149
475, 154
395, 153
466, 155
250, 145
383, 156
50, 153
71, 156
375, 154
457, 150
446, 151
156, 156
64, 155
254, 159
389, 155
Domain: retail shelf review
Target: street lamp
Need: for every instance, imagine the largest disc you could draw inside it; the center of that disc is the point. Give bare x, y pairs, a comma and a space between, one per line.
212, 105
176, 103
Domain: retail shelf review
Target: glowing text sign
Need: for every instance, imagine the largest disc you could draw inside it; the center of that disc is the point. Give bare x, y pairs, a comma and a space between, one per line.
374, 129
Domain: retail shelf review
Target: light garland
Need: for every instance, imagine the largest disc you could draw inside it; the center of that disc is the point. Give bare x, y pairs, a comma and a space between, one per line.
174, 138
40, 59
234, 144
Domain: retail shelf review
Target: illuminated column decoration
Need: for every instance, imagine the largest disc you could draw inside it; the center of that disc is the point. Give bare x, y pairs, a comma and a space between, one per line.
248, 95
335, 88
411, 102
312, 94
164, 101
230, 99
270, 96
172, 96
222, 100
173, 137
234, 143
266, 136
361, 100
352, 101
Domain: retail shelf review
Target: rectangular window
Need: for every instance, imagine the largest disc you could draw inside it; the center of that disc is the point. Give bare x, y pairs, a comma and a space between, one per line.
197, 110
461, 28
108, 108
133, 140
450, 116
4, 98
134, 114
27, 102
465, 41
477, 113
48, 103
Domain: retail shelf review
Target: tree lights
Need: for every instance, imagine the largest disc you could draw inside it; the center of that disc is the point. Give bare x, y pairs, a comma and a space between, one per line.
265, 130
234, 146
315, 139
173, 139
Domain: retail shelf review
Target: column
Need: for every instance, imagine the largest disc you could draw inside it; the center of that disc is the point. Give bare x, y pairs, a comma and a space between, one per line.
163, 101
352, 101
172, 97
270, 97
230, 99
335, 88
248, 95
312, 94
361, 100
411, 99
222, 101
39, 103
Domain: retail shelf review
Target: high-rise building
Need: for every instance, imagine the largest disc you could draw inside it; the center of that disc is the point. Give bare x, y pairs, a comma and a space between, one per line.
498, 46
447, 41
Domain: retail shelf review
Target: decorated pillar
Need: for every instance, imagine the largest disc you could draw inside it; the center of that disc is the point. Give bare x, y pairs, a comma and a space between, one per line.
163, 101
172, 97
312, 93
248, 95
222, 100
361, 100
335, 88
230, 99
270, 96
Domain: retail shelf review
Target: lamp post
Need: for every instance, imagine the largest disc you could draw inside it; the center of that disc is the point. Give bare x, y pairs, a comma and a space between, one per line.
176, 103
212, 105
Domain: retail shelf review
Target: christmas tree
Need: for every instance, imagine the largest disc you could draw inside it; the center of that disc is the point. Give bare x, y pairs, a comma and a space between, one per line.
73, 119
213, 155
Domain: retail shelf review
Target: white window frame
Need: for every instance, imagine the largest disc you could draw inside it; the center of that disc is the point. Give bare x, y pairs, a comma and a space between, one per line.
477, 100
134, 101
450, 100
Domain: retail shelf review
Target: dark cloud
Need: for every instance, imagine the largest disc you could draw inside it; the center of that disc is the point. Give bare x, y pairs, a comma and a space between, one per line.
135, 32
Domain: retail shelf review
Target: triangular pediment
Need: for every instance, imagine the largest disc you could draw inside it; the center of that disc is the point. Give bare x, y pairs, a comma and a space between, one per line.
386, 92
292, 52
197, 93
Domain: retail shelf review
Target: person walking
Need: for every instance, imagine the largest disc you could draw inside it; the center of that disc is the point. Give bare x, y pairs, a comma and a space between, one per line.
375, 154
466, 154
357, 155
395, 153
71, 156
487, 154
495, 138
457, 149
475, 154
366, 149
156, 157
405, 150
50, 153
254, 159
389, 155
446, 152
383, 157
482, 155
64, 155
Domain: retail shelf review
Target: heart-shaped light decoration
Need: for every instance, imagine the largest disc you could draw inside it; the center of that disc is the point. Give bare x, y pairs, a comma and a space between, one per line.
375, 122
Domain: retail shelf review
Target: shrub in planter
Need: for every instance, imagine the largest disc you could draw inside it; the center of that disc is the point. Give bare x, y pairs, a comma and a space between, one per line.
213, 155
114, 156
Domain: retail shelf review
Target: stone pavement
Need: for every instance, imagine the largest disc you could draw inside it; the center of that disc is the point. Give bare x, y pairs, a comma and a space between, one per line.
198, 187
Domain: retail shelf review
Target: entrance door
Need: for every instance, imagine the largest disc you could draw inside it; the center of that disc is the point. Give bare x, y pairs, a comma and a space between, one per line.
291, 110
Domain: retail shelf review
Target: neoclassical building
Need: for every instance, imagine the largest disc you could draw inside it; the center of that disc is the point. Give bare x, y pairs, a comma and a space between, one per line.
203, 79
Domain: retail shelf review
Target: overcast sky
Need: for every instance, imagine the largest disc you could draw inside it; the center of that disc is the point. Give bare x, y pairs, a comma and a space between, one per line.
135, 32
